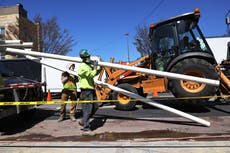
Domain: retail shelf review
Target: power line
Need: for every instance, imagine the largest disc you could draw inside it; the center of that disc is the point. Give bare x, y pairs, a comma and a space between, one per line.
154, 9
149, 8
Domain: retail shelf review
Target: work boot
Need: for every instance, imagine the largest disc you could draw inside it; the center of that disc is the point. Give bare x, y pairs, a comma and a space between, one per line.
86, 129
61, 119
72, 118
80, 123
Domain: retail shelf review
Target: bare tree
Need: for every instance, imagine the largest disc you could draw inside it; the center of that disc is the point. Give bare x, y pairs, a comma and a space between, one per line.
53, 39
142, 41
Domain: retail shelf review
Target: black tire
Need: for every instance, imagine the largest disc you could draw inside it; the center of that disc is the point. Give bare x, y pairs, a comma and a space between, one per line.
127, 104
194, 67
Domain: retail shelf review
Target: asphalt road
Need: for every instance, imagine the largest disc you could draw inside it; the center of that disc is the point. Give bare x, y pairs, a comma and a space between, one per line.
138, 127
108, 113
144, 111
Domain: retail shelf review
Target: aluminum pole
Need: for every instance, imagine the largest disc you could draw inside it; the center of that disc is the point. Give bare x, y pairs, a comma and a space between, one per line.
155, 104
133, 95
119, 66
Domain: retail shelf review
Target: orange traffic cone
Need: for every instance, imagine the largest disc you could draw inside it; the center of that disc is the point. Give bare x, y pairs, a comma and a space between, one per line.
155, 94
49, 98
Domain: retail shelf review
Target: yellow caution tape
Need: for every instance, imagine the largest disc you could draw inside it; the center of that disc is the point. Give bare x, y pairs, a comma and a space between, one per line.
50, 102
101, 101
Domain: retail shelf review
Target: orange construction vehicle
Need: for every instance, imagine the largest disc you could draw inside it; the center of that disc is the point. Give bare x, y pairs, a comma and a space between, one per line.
135, 82
170, 53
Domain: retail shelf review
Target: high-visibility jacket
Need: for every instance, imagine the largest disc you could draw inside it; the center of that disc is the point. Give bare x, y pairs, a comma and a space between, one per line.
68, 82
86, 75
70, 85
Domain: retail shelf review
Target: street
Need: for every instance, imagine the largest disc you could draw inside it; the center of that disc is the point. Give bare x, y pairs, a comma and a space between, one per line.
145, 121
144, 124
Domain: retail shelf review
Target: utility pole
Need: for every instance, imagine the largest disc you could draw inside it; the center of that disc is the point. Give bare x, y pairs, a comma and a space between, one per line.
127, 38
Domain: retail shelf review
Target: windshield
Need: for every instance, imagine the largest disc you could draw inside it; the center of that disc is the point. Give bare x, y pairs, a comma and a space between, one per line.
175, 38
190, 38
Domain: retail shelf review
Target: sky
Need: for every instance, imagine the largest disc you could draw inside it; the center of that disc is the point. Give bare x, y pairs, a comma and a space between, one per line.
100, 26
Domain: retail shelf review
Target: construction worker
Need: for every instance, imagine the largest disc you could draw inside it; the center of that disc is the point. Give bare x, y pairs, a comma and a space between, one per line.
185, 43
68, 92
87, 70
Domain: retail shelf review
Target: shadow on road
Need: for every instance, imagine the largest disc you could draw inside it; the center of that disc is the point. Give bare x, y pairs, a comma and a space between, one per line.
150, 120
97, 122
21, 122
220, 110
182, 106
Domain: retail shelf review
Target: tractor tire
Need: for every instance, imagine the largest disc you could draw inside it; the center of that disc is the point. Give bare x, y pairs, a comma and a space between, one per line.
124, 102
194, 67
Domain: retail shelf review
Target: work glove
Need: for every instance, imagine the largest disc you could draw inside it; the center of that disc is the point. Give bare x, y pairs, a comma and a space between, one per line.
64, 77
94, 64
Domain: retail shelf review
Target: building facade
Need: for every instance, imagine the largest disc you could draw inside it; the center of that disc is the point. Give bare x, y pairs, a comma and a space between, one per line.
14, 25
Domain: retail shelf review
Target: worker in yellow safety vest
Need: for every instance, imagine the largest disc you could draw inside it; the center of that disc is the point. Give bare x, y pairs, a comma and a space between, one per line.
68, 92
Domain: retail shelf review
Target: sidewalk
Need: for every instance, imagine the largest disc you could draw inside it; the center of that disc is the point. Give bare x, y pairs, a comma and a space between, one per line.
116, 147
